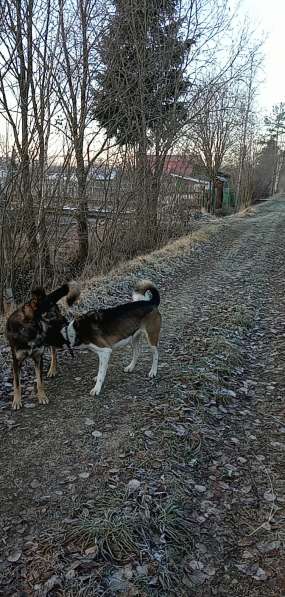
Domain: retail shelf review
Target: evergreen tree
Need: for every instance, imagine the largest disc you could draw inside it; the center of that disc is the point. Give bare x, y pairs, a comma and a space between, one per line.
140, 99
142, 85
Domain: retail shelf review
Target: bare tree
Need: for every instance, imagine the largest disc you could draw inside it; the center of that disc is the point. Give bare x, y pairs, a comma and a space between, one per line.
80, 23
212, 129
27, 49
15, 87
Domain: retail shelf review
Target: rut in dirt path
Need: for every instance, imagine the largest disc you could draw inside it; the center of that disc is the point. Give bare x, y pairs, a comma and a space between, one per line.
203, 441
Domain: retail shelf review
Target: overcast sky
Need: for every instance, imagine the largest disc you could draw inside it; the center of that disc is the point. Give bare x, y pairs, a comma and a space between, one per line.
269, 17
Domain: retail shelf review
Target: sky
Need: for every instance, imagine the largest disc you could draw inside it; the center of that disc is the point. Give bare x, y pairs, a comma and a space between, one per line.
268, 17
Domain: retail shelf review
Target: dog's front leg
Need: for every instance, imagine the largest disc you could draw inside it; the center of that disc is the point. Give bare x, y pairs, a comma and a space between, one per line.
52, 369
38, 360
17, 399
104, 357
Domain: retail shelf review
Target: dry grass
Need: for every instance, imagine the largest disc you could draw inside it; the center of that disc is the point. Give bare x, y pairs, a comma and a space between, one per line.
114, 535
170, 251
153, 261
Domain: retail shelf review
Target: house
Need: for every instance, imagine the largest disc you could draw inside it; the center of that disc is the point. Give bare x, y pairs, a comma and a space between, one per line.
181, 169
178, 166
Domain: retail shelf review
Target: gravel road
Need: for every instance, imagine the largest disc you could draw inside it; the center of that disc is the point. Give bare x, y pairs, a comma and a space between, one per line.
172, 486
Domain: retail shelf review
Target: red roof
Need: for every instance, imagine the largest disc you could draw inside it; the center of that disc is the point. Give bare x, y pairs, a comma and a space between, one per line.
175, 165
178, 165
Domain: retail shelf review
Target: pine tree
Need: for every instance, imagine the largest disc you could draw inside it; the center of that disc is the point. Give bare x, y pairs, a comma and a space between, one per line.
141, 95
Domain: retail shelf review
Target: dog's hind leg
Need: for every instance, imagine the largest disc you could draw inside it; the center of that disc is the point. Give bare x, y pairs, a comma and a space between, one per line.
17, 399
152, 332
104, 357
52, 369
136, 353
38, 360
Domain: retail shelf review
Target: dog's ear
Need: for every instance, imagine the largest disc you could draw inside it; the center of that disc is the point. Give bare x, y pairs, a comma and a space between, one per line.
38, 295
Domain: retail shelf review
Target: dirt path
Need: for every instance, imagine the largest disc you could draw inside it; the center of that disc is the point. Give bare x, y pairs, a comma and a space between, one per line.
202, 445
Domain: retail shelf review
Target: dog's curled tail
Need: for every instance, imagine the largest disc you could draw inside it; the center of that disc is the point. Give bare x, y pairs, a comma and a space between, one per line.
71, 290
145, 290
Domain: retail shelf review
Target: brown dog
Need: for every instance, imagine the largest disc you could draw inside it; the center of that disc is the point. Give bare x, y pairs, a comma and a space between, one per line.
32, 327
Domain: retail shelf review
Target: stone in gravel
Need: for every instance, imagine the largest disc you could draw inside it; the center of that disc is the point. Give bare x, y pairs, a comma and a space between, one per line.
270, 546
226, 392
14, 556
89, 422
133, 485
277, 445
260, 574
180, 430
269, 496
149, 434
202, 548
128, 571
247, 555
91, 551
253, 570
196, 565
142, 570
53, 581
231, 470
198, 578
97, 434
246, 489
84, 475
223, 410
215, 412
200, 488
210, 570
35, 484
117, 583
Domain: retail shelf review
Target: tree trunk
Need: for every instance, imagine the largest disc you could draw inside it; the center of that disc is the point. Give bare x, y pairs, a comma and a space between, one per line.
29, 216
44, 255
148, 181
219, 195
82, 217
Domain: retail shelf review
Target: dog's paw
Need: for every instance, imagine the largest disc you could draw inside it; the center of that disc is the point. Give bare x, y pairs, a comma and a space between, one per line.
43, 399
129, 369
17, 404
152, 374
51, 373
95, 391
